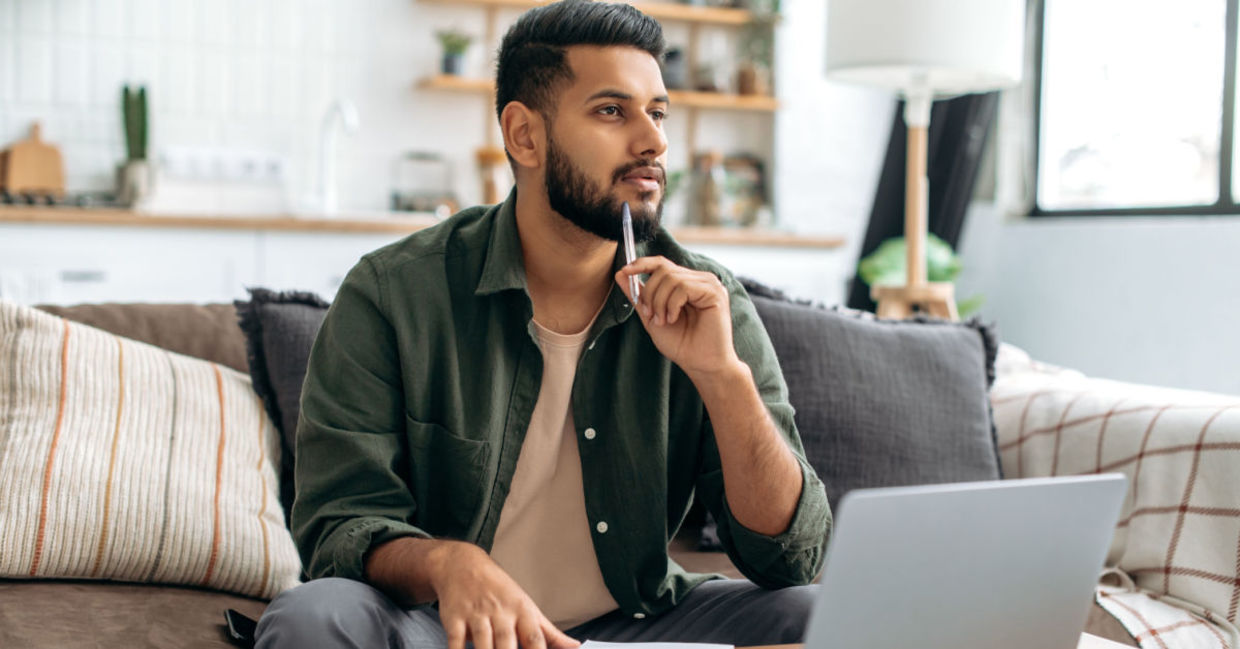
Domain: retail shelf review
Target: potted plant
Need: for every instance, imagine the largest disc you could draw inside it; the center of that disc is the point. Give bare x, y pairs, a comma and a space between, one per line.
753, 74
454, 44
133, 177
886, 265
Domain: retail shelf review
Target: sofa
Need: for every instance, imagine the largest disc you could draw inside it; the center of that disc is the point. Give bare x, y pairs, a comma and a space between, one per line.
1024, 419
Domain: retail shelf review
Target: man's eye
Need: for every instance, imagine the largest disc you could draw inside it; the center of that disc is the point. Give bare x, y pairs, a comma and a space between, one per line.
610, 110
658, 115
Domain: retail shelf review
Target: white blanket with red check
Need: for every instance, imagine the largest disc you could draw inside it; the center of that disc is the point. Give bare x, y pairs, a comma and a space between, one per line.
1175, 561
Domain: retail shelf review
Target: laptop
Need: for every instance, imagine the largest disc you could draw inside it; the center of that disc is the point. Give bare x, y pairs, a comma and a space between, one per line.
1008, 563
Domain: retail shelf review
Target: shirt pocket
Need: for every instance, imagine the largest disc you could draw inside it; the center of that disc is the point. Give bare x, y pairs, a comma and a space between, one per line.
448, 479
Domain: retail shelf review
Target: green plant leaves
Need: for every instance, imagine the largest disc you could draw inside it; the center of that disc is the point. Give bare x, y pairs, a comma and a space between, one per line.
887, 264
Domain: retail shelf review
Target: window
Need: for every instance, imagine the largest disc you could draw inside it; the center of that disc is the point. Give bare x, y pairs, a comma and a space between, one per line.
1136, 107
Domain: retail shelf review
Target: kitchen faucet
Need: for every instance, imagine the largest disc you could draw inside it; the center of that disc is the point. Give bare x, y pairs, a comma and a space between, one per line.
342, 113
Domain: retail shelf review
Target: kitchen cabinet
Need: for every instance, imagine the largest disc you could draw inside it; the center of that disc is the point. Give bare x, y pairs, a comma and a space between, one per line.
69, 255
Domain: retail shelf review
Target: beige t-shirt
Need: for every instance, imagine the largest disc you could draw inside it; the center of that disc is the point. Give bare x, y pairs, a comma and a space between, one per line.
543, 540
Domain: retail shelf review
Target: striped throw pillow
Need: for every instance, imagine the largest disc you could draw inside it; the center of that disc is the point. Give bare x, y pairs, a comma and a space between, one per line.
124, 461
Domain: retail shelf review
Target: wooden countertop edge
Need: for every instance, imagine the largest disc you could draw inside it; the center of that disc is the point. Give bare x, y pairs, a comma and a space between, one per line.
371, 224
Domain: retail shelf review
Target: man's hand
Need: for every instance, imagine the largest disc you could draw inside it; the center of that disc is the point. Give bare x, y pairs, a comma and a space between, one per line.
480, 603
687, 314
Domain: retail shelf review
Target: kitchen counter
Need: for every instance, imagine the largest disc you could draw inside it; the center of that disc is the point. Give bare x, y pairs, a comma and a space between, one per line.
361, 222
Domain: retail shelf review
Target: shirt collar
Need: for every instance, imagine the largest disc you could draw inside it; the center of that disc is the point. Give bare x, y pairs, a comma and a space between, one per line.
504, 268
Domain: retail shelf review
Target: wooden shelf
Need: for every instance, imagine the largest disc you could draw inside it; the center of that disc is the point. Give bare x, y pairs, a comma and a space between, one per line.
723, 101
753, 237
692, 99
396, 224
657, 10
457, 84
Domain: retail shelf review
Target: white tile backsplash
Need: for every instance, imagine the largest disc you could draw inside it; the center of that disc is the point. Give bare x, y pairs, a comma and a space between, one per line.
284, 88
107, 74
34, 18
145, 19
215, 22
73, 17
143, 63
318, 24
286, 26
110, 19
178, 78
214, 84
8, 68
7, 9
252, 26
72, 64
181, 20
34, 70
250, 86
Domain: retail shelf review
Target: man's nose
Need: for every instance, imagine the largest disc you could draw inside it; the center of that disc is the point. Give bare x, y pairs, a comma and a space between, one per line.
650, 141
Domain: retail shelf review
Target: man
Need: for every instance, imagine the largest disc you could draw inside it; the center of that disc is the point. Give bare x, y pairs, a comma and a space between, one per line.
487, 426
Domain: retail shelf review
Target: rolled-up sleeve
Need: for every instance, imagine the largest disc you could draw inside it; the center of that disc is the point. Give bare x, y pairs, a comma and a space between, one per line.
795, 556
352, 452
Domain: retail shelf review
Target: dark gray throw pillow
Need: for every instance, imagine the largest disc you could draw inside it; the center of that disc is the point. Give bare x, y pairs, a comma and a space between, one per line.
280, 329
885, 402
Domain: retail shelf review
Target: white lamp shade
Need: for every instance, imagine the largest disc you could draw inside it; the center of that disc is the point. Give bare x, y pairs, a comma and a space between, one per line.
920, 47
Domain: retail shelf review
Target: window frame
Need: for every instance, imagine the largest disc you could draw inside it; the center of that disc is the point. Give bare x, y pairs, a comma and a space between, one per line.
1226, 203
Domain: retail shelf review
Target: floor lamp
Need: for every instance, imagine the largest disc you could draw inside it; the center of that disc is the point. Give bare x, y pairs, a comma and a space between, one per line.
924, 50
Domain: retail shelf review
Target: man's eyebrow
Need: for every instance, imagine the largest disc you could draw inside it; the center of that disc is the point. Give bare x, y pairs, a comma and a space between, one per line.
622, 96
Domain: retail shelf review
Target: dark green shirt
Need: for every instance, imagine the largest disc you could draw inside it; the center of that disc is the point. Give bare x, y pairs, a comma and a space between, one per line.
420, 388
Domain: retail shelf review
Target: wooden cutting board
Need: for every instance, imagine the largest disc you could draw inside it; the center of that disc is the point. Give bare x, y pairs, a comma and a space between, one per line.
32, 166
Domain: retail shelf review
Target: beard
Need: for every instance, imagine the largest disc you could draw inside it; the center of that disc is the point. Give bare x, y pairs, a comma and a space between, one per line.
571, 194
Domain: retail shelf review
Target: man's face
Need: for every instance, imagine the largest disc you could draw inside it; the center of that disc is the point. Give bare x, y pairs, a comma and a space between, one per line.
606, 145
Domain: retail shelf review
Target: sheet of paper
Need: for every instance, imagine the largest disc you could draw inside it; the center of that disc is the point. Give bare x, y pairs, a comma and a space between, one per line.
594, 644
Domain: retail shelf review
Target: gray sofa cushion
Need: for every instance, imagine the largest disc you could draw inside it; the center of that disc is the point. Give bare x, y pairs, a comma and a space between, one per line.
55, 614
280, 329
882, 402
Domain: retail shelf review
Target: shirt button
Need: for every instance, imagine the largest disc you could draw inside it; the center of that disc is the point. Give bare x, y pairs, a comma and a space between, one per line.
601, 527
639, 616
590, 433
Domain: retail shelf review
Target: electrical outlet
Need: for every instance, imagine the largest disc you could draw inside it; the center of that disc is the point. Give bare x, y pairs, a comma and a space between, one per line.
201, 164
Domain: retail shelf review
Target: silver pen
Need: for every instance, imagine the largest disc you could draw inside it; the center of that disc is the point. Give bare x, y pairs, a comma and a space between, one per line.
630, 251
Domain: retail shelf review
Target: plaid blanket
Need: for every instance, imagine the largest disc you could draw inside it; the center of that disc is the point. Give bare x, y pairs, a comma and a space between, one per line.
1173, 576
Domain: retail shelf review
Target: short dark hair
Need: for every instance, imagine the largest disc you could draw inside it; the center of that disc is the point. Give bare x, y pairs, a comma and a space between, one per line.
532, 63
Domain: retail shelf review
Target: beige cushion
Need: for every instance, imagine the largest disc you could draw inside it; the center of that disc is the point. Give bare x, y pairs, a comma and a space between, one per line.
123, 461
206, 331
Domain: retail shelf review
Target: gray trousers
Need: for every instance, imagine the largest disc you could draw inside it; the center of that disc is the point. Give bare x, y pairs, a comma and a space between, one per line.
345, 613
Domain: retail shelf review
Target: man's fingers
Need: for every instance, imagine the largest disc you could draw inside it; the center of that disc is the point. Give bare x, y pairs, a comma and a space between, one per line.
530, 634
655, 293
676, 303
646, 265
557, 639
456, 633
505, 634
480, 629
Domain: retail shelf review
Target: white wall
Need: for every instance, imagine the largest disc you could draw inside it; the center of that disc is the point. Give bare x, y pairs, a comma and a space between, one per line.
1148, 300
257, 75
830, 140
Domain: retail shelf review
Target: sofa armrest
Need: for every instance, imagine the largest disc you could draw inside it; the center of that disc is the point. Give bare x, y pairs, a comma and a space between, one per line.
1178, 534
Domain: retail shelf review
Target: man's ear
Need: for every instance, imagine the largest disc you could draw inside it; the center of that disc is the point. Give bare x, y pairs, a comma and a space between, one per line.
525, 134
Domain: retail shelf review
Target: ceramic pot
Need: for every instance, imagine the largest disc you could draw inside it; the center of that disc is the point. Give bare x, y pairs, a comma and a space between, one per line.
133, 182
452, 64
